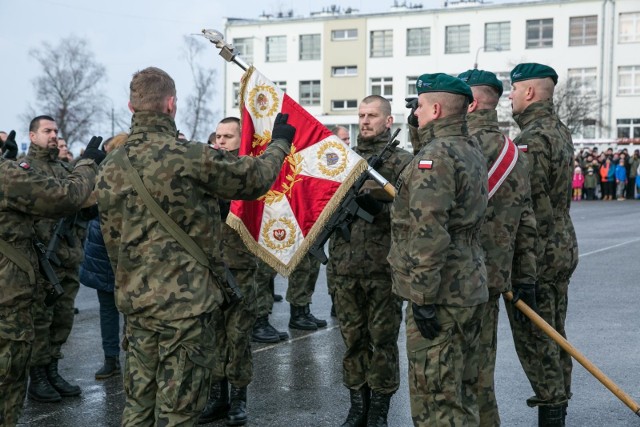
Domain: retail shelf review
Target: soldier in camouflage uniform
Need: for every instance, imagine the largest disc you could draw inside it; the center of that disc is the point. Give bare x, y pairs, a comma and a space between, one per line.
167, 295
368, 313
436, 256
26, 193
302, 283
549, 150
508, 234
263, 331
53, 325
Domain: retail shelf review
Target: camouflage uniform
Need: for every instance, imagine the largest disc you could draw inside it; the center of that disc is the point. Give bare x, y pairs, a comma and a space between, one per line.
167, 296
368, 313
436, 258
25, 192
302, 281
264, 293
508, 239
550, 156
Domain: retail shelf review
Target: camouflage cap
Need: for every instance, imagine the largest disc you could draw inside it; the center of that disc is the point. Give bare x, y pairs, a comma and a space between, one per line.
481, 78
440, 82
532, 70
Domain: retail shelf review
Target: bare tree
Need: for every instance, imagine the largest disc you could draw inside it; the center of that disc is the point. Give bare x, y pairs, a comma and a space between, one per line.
578, 107
199, 114
69, 88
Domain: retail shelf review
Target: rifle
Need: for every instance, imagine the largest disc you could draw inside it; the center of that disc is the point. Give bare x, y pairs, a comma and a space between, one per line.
349, 210
56, 290
63, 229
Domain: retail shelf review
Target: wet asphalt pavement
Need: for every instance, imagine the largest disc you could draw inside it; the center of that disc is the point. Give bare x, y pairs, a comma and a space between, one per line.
299, 382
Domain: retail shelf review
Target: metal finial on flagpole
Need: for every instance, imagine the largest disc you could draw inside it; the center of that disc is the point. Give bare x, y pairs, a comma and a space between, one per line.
227, 50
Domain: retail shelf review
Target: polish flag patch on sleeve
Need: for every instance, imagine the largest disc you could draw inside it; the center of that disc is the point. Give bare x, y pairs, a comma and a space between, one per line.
425, 164
523, 147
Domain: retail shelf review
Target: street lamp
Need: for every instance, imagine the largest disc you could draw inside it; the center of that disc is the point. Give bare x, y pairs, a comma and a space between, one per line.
489, 48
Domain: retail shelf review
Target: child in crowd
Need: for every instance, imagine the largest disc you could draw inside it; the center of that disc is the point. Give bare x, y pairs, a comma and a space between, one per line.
590, 182
578, 182
621, 180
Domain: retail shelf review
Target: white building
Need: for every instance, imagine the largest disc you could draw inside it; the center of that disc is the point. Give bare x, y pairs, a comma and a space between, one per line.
331, 60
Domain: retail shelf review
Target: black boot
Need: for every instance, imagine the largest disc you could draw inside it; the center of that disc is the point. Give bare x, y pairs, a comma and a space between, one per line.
39, 387
110, 368
319, 323
301, 318
60, 384
263, 331
357, 416
237, 415
218, 403
378, 409
551, 416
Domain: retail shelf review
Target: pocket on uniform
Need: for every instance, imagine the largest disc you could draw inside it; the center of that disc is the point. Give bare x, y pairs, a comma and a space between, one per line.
430, 362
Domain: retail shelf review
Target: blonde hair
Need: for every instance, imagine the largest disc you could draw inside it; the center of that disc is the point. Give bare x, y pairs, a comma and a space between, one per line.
115, 141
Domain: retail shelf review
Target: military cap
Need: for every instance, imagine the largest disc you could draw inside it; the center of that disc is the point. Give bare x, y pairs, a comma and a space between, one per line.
440, 82
481, 78
532, 70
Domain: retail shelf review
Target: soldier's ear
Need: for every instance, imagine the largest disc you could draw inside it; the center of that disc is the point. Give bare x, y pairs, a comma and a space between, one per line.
130, 107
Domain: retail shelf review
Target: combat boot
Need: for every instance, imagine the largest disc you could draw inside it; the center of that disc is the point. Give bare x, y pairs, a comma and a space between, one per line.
551, 416
237, 415
218, 403
39, 387
378, 409
60, 384
263, 331
357, 416
301, 318
110, 368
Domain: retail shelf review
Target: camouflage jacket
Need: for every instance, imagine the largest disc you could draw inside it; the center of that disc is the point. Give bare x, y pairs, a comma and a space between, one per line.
155, 276
550, 155
509, 232
366, 252
70, 250
436, 217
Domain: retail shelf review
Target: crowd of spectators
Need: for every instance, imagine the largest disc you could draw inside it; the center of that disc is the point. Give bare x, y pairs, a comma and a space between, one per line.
606, 175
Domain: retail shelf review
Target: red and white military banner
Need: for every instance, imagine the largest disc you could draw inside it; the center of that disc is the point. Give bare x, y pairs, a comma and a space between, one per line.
281, 225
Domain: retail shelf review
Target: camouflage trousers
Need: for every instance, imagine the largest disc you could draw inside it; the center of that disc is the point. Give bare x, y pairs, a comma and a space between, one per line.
546, 365
233, 328
53, 324
168, 369
302, 281
443, 372
369, 315
15, 350
487, 346
264, 292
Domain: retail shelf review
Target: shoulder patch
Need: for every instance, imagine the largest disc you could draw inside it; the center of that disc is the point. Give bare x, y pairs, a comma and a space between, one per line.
523, 147
425, 164
24, 165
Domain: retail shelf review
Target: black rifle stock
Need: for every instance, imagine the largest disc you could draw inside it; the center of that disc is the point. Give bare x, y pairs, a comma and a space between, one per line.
63, 229
56, 290
349, 210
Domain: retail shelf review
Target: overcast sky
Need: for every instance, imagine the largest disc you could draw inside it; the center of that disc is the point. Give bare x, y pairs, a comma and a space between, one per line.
125, 36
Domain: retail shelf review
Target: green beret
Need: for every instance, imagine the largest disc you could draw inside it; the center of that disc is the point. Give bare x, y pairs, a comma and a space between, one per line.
441, 82
481, 78
532, 70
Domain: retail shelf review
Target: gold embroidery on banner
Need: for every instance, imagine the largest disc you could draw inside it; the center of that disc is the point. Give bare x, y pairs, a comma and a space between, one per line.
295, 163
276, 239
323, 158
259, 105
261, 140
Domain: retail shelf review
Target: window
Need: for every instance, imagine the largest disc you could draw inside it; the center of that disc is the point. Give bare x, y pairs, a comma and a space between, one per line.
411, 86
349, 70
310, 92
583, 81
381, 43
418, 41
629, 28
539, 33
244, 48
276, 49
344, 104
350, 34
282, 85
629, 80
309, 47
457, 39
628, 128
236, 94
588, 128
497, 36
382, 86
583, 30
505, 78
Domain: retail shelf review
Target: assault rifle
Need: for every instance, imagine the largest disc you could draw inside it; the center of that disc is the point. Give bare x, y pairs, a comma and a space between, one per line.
62, 230
55, 290
349, 210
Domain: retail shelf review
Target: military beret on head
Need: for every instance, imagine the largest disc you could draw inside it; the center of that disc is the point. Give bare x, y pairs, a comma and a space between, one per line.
440, 82
532, 70
481, 78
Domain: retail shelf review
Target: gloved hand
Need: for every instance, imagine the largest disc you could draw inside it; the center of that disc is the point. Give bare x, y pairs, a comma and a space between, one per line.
281, 129
527, 293
412, 103
426, 320
93, 151
367, 202
10, 148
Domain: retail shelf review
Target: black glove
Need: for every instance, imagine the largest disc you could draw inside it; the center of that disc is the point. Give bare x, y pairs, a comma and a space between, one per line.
412, 103
426, 320
281, 129
10, 148
369, 203
526, 293
93, 150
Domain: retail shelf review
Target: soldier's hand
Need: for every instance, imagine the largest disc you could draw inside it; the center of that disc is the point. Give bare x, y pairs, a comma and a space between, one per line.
367, 202
426, 320
412, 104
282, 129
10, 148
93, 150
527, 293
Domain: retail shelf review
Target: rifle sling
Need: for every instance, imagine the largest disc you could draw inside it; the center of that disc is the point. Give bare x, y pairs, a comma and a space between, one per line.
18, 259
